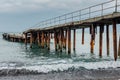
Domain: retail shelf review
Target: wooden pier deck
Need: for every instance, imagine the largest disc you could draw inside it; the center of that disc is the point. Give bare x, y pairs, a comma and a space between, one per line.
60, 28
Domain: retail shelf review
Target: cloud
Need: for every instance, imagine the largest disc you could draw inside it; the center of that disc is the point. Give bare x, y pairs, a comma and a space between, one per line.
34, 5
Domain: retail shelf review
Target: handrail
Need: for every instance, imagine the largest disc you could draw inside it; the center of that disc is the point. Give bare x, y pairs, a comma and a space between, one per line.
80, 14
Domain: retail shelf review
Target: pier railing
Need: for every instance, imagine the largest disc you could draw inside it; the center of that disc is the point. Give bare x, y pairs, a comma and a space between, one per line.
86, 13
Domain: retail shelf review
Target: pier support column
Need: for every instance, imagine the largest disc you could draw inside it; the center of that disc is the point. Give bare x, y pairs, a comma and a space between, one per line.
38, 38
83, 35
74, 39
92, 43
55, 40
42, 40
31, 39
25, 38
107, 39
63, 44
114, 40
48, 41
60, 40
119, 47
101, 40
65, 39
69, 41
63, 33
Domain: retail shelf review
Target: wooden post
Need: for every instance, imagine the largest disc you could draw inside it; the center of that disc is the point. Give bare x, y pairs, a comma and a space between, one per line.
60, 40
69, 41
45, 37
55, 40
65, 38
42, 44
101, 40
51, 36
82, 35
49, 41
74, 39
114, 40
119, 47
25, 40
107, 39
31, 39
92, 38
38, 38
62, 35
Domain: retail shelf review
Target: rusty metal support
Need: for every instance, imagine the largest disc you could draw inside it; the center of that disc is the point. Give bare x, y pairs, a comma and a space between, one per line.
25, 38
107, 39
74, 39
119, 47
38, 38
55, 40
69, 41
92, 43
48, 41
114, 40
45, 37
60, 40
31, 39
63, 44
65, 38
101, 40
83, 35
42, 40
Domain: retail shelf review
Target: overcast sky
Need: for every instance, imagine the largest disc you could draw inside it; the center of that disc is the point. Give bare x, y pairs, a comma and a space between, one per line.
18, 15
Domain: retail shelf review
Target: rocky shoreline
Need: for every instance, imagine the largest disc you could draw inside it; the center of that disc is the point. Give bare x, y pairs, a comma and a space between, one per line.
70, 74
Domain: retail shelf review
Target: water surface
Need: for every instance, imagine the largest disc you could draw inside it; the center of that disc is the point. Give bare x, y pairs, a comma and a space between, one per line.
16, 56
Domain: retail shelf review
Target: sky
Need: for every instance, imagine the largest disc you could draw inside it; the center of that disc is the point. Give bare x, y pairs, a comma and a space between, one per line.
19, 15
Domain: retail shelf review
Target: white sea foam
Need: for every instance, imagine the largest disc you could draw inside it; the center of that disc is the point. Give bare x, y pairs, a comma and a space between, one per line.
65, 66
62, 67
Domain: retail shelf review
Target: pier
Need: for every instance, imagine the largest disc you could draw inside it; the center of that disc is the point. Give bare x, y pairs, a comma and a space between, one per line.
98, 17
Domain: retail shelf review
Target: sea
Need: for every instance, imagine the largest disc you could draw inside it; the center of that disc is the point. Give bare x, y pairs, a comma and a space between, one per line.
14, 55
